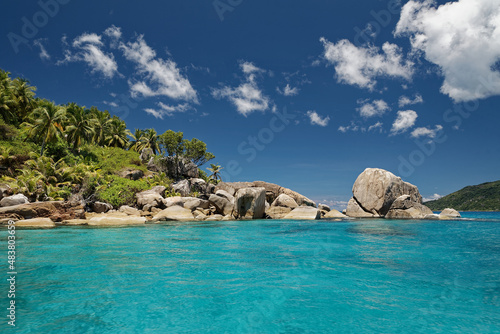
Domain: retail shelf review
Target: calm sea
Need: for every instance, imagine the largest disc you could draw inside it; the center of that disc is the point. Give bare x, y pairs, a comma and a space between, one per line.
357, 276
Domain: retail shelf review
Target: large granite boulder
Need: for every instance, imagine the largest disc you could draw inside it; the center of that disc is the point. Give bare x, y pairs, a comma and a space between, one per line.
272, 191
195, 203
354, 210
57, 211
101, 207
449, 213
36, 222
222, 202
277, 212
176, 213
250, 203
152, 198
304, 213
115, 220
146, 155
198, 185
182, 187
376, 189
405, 208
285, 201
130, 211
334, 214
13, 200
324, 207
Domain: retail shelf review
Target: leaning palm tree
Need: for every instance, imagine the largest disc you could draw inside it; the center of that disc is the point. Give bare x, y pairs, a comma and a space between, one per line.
149, 139
117, 134
80, 126
215, 169
46, 123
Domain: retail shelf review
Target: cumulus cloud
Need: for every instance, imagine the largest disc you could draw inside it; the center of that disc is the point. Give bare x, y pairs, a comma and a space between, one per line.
316, 119
44, 55
462, 38
374, 108
406, 101
405, 120
361, 66
376, 126
247, 97
288, 90
159, 77
431, 198
426, 132
167, 110
89, 49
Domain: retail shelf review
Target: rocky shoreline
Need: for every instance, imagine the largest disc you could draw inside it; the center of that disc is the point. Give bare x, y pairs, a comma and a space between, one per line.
376, 194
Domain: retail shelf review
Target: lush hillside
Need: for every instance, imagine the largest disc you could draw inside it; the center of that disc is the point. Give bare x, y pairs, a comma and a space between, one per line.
483, 197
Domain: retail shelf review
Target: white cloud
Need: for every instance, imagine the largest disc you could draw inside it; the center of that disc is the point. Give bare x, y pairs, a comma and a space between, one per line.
406, 101
426, 132
288, 90
376, 126
362, 65
352, 127
159, 77
431, 198
89, 49
113, 32
317, 119
374, 108
462, 38
247, 97
111, 104
168, 110
44, 55
405, 120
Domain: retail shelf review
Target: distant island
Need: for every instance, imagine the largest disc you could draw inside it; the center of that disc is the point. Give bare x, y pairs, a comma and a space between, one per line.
482, 197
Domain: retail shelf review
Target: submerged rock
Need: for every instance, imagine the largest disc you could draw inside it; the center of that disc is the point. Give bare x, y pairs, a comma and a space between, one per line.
112, 220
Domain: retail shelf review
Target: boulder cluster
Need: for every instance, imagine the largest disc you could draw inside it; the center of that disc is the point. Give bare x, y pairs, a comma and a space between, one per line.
377, 193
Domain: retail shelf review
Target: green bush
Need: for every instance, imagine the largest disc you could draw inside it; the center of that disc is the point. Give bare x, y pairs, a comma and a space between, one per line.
111, 160
120, 191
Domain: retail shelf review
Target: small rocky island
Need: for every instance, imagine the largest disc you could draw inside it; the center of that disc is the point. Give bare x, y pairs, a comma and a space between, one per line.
377, 193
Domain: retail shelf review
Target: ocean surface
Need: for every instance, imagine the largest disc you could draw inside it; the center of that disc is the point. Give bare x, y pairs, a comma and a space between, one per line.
356, 276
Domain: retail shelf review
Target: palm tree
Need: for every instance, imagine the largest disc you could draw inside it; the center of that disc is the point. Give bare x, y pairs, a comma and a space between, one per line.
6, 105
24, 95
136, 143
80, 125
101, 122
46, 123
117, 134
215, 169
149, 139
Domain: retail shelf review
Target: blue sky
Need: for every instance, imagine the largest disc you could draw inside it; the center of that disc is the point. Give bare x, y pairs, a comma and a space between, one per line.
305, 94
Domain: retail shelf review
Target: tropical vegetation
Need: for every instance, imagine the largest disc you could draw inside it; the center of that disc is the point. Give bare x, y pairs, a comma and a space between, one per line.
51, 152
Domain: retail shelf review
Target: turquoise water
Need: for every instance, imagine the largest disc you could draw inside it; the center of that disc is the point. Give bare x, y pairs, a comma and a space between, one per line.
360, 276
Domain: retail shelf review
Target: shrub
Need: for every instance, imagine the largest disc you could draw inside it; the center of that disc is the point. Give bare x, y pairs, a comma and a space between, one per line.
120, 191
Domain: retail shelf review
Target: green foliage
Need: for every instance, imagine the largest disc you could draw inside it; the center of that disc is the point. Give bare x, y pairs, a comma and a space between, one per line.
7, 132
172, 142
111, 160
483, 197
120, 191
196, 151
